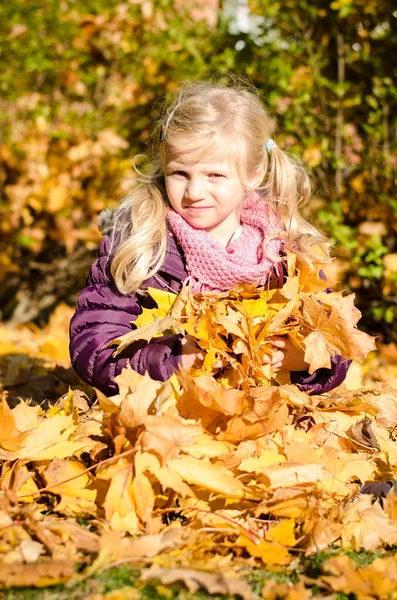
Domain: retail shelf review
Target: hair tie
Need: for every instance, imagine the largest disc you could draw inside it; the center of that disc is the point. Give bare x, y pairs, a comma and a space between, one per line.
270, 145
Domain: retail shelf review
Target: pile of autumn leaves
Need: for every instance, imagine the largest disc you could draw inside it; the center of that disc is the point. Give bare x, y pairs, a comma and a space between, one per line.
213, 469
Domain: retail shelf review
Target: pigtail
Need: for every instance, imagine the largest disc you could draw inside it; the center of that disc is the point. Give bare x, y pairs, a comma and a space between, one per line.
289, 188
141, 232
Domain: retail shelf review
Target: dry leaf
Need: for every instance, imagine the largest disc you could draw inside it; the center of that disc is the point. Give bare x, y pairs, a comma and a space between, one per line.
213, 583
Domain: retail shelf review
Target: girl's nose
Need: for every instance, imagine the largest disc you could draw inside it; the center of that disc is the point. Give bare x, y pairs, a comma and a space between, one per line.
195, 189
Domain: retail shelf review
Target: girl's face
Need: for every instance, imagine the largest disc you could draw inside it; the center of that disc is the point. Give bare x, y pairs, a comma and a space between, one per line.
207, 195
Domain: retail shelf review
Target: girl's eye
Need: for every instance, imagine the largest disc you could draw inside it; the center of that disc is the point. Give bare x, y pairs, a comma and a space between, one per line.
216, 175
181, 173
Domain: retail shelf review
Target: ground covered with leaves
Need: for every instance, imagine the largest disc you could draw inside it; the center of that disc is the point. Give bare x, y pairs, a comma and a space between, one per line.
214, 480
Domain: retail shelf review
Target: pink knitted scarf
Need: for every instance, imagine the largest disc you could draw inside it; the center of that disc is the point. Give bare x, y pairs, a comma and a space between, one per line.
212, 267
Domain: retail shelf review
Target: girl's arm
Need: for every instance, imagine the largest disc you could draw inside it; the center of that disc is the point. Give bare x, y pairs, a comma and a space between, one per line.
322, 380
102, 315
288, 358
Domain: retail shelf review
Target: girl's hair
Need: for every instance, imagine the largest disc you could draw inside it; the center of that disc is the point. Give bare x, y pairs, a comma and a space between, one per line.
211, 121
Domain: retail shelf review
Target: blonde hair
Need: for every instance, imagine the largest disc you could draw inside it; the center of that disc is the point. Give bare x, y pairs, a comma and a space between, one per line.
214, 121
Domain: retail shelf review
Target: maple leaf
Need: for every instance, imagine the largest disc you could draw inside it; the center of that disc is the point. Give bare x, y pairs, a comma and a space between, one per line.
158, 326
377, 580
53, 437
18, 479
361, 432
257, 464
135, 406
270, 553
69, 529
47, 572
166, 436
119, 503
11, 438
169, 479
26, 417
78, 495
333, 333
383, 399
138, 548
164, 301
291, 502
285, 591
212, 394
204, 474
365, 525
143, 496
317, 353
324, 532
213, 583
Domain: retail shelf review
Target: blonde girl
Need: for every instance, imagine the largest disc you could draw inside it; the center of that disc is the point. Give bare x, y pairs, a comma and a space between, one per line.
218, 203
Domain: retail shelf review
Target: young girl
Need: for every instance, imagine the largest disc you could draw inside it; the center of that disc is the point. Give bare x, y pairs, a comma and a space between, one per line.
218, 205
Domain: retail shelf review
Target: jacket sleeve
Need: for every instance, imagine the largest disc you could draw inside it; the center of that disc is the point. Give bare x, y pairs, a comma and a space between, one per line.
103, 314
322, 380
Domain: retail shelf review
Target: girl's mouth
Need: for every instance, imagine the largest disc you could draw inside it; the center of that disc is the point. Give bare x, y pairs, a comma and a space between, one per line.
197, 208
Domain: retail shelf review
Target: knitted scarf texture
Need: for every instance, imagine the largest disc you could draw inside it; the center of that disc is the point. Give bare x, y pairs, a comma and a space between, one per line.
212, 267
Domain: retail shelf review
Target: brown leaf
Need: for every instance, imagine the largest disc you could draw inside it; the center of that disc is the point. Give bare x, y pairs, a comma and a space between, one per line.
371, 582
213, 583
365, 525
362, 433
42, 574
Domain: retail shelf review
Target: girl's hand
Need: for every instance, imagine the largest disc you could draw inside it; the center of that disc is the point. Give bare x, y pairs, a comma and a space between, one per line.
287, 357
191, 353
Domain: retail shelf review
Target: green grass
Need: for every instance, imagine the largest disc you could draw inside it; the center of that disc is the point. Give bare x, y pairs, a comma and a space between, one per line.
125, 576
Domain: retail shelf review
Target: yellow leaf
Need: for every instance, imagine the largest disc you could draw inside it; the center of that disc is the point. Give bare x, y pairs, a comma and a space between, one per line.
283, 533
26, 417
213, 583
51, 438
146, 317
166, 435
119, 503
135, 406
365, 525
257, 464
334, 333
295, 474
317, 354
143, 497
169, 321
20, 480
205, 445
209, 393
78, 495
11, 439
377, 580
208, 476
270, 553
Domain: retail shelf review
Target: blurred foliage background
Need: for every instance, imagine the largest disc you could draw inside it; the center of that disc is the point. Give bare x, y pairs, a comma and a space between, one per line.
82, 81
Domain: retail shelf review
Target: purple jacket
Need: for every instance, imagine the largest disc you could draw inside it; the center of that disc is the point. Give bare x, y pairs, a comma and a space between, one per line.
103, 314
